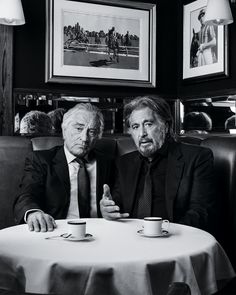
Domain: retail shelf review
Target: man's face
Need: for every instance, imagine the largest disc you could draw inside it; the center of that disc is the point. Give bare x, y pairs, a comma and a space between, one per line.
147, 130
81, 133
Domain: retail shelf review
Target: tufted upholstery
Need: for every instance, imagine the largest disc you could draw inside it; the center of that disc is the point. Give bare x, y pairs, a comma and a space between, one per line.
14, 149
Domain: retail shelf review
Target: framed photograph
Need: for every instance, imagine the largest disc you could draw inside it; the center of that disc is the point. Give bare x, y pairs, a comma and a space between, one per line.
101, 42
204, 46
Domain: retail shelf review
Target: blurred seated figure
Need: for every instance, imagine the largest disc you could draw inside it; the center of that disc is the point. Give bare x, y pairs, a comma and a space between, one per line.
56, 117
230, 124
197, 122
35, 122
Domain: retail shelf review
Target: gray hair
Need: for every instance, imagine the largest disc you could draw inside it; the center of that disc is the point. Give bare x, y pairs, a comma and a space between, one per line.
157, 104
88, 107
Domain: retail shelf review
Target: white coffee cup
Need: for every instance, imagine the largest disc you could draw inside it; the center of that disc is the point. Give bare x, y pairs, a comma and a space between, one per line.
77, 228
154, 226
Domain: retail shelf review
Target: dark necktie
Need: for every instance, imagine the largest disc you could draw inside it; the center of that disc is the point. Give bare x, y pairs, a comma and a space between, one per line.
83, 189
145, 201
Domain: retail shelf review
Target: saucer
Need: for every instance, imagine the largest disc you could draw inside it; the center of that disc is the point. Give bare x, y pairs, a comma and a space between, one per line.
164, 233
87, 237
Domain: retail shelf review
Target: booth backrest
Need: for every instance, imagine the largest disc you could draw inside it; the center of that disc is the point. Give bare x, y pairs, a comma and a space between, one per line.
125, 145
224, 150
45, 142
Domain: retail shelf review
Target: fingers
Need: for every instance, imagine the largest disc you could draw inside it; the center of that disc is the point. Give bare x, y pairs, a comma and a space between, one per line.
39, 221
110, 210
106, 202
106, 192
115, 215
124, 215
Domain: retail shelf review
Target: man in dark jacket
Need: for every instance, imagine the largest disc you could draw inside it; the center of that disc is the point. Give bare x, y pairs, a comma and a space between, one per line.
163, 177
65, 181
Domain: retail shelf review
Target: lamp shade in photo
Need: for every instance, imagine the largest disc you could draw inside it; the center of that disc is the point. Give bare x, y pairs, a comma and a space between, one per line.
218, 12
11, 13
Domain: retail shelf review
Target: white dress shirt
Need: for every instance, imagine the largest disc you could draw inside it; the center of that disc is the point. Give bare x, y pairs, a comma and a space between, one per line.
73, 167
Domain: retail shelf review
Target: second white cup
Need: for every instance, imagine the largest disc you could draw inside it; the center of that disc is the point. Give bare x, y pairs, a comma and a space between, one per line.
154, 226
77, 228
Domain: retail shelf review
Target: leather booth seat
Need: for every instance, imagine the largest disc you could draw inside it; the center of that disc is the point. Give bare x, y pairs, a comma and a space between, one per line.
14, 149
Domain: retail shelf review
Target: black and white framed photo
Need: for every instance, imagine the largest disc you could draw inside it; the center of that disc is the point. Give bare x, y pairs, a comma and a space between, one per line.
204, 46
101, 42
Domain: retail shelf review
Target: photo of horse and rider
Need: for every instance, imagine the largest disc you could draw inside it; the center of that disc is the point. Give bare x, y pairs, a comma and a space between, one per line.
99, 41
204, 38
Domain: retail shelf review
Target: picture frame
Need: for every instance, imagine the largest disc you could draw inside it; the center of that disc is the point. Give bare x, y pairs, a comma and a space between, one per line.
101, 42
205, 47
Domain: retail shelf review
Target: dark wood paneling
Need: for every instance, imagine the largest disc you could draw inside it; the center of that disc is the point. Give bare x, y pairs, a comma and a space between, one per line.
6, 51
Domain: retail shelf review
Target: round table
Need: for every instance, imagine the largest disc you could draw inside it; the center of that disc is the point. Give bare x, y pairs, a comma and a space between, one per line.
116, 261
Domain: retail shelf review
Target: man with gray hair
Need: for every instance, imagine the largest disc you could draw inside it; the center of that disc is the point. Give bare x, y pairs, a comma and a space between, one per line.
163, 177
65, 181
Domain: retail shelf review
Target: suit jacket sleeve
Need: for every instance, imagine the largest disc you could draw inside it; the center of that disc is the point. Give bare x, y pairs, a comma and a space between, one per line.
200, 208
32, 188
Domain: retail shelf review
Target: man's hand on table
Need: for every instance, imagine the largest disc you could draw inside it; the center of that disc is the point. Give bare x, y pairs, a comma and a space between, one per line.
108, 207
40, 221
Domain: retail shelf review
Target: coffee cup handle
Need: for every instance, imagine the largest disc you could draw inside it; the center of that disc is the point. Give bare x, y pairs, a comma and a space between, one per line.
166, 224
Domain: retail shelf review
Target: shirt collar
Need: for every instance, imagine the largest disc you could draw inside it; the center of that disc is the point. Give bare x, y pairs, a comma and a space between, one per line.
70, 157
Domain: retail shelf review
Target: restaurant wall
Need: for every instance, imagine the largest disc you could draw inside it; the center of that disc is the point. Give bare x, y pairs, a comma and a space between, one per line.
208, 87
29, 54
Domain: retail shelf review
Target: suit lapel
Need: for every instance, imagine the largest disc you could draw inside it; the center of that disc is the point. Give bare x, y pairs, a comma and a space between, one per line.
101, 175
175, 167
61, 170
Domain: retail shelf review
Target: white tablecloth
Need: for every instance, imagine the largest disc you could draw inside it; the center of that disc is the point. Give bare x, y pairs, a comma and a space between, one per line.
118, 261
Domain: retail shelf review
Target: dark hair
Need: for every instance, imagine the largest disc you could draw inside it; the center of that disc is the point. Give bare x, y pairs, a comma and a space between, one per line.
197, 121
155, 103
201, 13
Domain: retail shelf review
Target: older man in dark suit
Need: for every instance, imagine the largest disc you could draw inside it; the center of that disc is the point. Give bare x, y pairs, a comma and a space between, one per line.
65, 181
163, 178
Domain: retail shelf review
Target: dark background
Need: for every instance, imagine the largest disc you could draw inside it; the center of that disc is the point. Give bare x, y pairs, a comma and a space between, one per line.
29, 57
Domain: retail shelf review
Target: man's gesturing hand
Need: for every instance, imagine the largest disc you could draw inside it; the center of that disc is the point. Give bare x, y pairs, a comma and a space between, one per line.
108, 207
40, 221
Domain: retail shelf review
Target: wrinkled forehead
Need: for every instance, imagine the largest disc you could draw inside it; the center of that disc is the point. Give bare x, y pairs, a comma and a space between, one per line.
83, 118
144, 114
